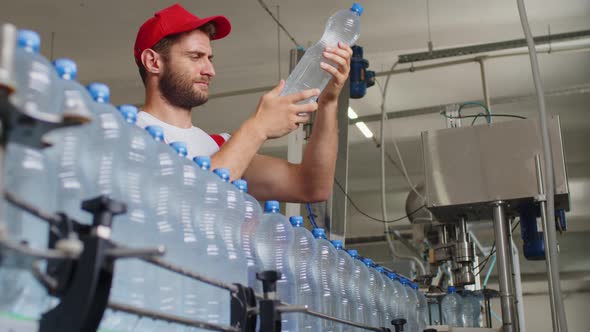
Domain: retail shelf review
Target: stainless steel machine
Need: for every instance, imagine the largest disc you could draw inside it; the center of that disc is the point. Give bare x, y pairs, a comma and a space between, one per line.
488, 172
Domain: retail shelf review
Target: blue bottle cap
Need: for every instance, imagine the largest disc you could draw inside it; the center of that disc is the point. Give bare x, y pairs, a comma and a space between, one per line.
204, 162
451, 289
319, 233
129, 113
66, 68
296, 221
379, 268
28, 40
223, 174
353, 253
100, 92
337, 244
404, 281
368, 262
180, 148
358, 9
271, 206
242, 185
415, 286
156, 132
392, 276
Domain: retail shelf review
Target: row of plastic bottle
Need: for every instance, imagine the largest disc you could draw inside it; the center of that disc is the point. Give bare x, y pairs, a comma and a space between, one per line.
461, 311
205, 223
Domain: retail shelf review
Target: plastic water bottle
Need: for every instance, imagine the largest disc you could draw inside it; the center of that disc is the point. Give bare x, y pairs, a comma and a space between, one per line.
382, 284
343, 26
344, 270
397, 295
252, 215
230, 227
305, 268
214, 303
360, 278
101, 160
328, 260
423, 315
471, 310
274, 240
411, 304
165, 181
131, 282
68, 144
37, 88
452, 308
373, 288
26, 175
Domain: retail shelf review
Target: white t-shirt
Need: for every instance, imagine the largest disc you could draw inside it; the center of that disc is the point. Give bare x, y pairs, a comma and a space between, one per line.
198, 142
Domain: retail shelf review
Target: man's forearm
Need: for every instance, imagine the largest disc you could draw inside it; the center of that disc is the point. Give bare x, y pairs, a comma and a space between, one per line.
319, 160
237, 153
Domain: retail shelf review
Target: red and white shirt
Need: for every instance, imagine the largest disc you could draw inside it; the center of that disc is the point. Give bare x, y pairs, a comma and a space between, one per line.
198, 142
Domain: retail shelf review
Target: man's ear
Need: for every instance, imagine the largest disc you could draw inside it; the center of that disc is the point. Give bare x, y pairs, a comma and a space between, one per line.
152, 61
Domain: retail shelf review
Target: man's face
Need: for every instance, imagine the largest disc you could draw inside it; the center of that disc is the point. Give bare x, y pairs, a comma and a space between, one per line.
188, 70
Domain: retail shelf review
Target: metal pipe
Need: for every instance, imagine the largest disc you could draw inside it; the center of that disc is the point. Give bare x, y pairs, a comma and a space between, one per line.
548, 258
463, 226
549, 231
504, 272
518, 286
484, 84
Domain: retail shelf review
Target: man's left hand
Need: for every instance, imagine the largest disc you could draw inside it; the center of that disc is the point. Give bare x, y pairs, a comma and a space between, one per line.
340, 57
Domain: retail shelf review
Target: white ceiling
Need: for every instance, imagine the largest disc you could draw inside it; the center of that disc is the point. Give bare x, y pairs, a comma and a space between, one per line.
99, 36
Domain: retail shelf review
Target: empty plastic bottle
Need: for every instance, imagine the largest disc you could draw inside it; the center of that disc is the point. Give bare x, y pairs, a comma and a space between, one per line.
411, 304
230, 227
102, 158
422, 318
274, 240
452, 308
26, 176
382, 284
345, 271
360, 279
37, 88
343, 26
214, 303
305, 267
471, 309
252, 215
397, 295
375, 314
132, 282
327, 267
68, 144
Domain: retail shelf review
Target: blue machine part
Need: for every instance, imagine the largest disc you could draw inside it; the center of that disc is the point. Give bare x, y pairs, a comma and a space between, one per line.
360, 77
531, 229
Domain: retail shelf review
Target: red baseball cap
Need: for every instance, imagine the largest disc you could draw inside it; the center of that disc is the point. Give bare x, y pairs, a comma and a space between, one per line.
172, 20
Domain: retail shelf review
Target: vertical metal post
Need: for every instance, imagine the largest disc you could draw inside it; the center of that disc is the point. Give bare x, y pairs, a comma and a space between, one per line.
503, 254
338, 200
295, 139
488, 309
548, 257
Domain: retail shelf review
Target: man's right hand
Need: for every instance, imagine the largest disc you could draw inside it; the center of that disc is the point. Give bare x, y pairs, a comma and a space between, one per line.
277, 115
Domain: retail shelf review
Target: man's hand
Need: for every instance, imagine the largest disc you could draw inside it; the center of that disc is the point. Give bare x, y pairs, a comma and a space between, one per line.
277, 115
340, 57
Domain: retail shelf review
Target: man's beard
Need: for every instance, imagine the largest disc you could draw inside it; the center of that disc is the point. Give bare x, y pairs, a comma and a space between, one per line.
177, 89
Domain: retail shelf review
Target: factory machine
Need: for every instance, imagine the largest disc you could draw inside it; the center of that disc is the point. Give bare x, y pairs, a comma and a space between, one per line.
488, 172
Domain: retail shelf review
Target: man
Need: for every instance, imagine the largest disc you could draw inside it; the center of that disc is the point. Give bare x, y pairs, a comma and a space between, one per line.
173, 53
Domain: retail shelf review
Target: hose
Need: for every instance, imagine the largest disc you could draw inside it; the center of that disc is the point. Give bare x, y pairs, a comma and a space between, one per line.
548, 157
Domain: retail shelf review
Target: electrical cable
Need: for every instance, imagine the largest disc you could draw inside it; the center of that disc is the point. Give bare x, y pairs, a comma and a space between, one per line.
483, 263
311, 216
476, 104
371, 217
476, 116
265, 7
550, 234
